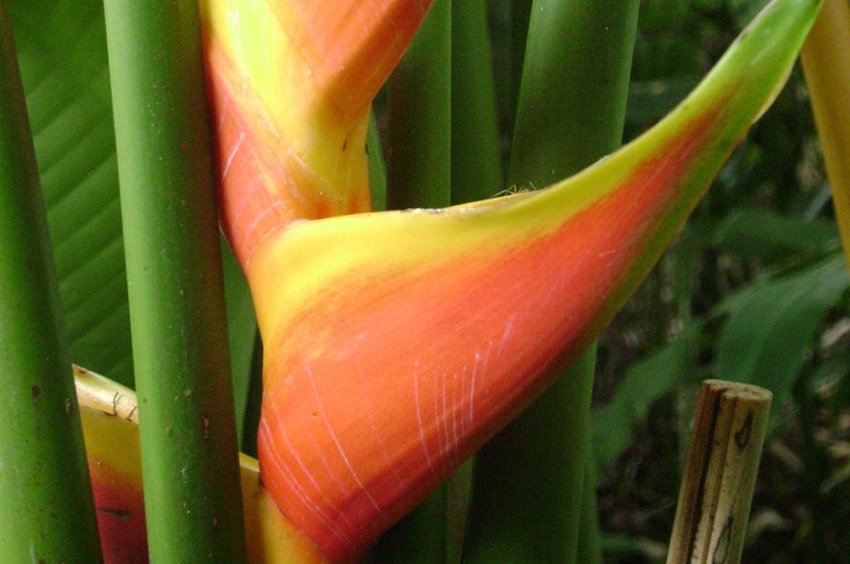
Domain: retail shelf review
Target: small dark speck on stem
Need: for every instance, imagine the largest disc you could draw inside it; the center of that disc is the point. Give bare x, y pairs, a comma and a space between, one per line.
36, 392
206, 428
721, 551
69, 407
742, 435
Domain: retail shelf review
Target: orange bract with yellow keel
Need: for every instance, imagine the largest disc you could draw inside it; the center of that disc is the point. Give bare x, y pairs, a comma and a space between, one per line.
291, 85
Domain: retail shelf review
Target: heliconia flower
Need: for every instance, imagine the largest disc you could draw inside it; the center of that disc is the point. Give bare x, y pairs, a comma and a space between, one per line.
291, 85
397, 343
110, 427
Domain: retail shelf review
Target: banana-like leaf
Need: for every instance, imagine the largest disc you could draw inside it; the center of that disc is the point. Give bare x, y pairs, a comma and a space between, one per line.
396, 343
62, 51
110, 424
773, 323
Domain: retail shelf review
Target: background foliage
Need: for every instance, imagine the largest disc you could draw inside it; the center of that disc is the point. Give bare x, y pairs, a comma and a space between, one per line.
755, 291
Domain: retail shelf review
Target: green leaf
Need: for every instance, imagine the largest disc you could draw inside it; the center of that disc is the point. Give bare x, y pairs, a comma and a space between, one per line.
763, 234
47, 512
772, 325
62, 47
645, 382
62, 52
377, 166
242, 335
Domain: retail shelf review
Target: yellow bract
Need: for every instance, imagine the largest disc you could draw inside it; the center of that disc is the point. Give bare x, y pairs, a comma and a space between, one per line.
110, 427
280, 97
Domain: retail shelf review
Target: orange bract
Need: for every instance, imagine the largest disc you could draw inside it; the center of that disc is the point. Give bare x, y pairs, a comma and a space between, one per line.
396, 343
378, 385
291, 85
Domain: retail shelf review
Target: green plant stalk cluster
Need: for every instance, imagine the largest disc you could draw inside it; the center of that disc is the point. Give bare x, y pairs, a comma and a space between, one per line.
188, 437
476, 160
377, 166
447, 151
476, 175
419, 136
418, 175
47, 514
415, 179
530, 479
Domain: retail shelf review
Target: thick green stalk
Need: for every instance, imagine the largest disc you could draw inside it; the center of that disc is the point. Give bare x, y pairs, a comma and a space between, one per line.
377, 166
476, 166
520, 18
526, 499
476, 174
242, 337
529, 479
589, 550
47, 514
419, 136
419, 176
573, 96
188, 434
253, 401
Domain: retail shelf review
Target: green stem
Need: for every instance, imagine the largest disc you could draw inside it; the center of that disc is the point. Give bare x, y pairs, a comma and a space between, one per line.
47, 514
475, 160
589, 549
419, 137
476, 174
526, 498
520, 18
572, 102
242, 337
529, 479
253, 401
419, 176
377, 166
188, 434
